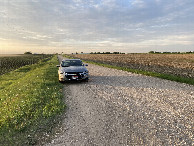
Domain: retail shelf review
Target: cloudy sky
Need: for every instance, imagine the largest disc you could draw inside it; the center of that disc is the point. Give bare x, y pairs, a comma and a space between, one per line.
50, 26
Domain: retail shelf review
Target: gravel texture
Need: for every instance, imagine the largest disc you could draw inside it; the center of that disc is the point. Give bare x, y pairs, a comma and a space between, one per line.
120, 108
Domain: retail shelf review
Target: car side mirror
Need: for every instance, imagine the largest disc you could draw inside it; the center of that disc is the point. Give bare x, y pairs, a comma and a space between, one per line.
57, 65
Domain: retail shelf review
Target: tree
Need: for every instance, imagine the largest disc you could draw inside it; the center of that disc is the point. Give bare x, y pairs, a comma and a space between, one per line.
28, 52
151, 52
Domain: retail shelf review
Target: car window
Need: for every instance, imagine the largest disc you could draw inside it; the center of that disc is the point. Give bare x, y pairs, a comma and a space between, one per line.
67, 63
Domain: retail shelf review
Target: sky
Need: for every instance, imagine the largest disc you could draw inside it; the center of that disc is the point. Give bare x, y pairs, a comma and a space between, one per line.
69, 26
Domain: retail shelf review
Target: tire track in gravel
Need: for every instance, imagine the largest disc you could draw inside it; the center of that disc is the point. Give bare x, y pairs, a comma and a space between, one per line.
120, 108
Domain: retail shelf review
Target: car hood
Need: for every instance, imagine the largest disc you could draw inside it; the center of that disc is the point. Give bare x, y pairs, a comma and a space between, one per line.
73, 69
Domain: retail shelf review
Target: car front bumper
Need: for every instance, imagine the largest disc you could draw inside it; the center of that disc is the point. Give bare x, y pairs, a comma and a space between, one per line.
73, 76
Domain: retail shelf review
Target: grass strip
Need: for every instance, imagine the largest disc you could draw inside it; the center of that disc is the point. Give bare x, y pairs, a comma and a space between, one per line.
147, 73
30, 99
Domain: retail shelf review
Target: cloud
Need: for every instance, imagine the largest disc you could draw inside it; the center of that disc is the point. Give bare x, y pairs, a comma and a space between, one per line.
139, 3
97, 23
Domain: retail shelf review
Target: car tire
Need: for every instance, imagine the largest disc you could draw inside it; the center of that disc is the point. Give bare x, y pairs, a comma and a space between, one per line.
61, 81
86, 80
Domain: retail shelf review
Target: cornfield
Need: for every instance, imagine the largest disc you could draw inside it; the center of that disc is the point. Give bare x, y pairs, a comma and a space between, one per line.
9, 63
174, 64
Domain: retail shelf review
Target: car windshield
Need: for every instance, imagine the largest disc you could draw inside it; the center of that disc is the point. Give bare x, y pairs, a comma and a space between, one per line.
67, 63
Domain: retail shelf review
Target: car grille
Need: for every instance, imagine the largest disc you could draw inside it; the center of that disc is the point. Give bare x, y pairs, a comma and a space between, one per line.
70, 74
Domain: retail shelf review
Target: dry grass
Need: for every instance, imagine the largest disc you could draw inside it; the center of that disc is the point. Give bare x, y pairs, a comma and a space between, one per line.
174, 64
11, 62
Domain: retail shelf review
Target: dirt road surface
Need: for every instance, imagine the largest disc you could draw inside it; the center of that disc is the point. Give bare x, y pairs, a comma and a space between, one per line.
120, 108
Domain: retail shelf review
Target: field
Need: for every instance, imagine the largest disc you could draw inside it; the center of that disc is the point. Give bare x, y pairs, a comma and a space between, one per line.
12, 62
178, 65
31, 97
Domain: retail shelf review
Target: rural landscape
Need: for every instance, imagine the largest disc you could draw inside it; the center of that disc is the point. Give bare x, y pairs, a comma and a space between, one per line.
32, 98
96, 73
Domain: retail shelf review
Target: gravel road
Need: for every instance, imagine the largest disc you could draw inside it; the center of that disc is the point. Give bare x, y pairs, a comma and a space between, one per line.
121, 108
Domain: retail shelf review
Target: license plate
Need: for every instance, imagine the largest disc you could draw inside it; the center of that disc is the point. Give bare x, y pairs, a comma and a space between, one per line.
74, 77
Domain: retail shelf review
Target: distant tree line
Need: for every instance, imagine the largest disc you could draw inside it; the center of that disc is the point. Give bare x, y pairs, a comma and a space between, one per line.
99, 53
106, 53
155, 52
